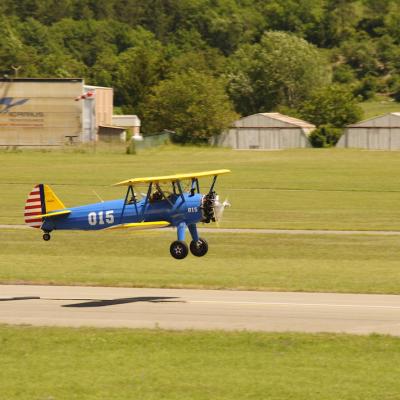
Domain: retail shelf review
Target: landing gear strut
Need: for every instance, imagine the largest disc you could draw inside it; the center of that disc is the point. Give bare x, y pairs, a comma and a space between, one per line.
46, 237
198, 246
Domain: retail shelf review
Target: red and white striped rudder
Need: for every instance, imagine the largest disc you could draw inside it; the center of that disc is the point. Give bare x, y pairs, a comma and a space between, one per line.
33, 207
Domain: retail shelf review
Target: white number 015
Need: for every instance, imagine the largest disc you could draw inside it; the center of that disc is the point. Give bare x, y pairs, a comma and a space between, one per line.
101, 217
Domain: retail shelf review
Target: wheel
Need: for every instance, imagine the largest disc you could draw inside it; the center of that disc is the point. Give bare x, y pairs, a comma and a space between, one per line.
46, 236
199, 248
179, 249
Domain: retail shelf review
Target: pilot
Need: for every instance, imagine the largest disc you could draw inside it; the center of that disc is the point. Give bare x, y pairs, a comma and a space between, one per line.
156, 196
133, 198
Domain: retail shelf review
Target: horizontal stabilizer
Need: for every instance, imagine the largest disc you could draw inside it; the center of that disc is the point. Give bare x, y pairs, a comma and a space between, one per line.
141, 225
55, 214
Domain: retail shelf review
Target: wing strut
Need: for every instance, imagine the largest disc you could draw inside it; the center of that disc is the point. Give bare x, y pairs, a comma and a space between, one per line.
178, 183
129, 191
147, 199
194, 187
213, 183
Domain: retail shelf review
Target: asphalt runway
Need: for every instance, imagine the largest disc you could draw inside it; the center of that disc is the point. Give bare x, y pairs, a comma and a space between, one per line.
74, 306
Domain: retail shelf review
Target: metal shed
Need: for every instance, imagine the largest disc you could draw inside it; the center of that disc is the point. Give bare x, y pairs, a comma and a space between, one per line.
378, 133
267, 131
51, 111
38, 111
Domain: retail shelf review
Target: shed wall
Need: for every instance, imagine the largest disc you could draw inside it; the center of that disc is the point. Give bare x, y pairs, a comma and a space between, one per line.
264, 138
40, 113
371, 138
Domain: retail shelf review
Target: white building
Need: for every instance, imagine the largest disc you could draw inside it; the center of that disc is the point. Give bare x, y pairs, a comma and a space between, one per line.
131, 122
378, 133
267, 131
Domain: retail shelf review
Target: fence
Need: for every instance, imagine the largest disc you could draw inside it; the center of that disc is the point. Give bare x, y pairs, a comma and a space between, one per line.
152, 140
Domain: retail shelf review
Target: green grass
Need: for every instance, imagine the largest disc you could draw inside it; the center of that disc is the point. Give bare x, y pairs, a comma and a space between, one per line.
56, 363
381, 105
293, 189
327, 263
296, 189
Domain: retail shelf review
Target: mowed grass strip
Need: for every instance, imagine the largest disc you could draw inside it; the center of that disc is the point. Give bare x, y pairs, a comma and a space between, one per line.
379, 106
57, 363
326, 263
291, 189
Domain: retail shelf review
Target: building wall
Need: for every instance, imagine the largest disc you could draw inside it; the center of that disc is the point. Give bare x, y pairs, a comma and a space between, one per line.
36, 113
264, 138
97, 110
128, 121
371, 138
104, 105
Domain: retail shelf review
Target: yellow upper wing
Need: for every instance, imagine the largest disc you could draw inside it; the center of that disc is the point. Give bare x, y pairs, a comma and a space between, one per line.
172, 178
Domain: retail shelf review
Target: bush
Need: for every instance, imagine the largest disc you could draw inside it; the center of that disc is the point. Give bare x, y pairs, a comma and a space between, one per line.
396, 95
325, 136
367, 87
131, 148
394, 86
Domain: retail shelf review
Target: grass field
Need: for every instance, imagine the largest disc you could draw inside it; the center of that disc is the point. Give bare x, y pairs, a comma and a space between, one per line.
305, 188
55, 363
293, 189
328, 263
381, 105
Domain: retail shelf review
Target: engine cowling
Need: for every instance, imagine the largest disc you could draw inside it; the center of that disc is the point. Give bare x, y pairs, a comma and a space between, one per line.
208, 207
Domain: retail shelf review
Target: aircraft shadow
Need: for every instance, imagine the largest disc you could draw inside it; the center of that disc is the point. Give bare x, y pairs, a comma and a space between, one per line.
20, 298
113, 302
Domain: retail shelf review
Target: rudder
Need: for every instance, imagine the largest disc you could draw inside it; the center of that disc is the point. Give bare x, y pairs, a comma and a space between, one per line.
41, 200
34, 207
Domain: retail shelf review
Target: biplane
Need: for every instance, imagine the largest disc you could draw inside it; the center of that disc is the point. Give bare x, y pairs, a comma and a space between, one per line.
167, 201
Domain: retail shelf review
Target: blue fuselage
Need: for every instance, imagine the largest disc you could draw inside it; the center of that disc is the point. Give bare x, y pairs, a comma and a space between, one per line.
177, 209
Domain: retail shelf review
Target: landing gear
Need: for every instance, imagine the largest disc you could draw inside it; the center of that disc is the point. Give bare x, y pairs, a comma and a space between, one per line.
46, 236
199, 248
179, 249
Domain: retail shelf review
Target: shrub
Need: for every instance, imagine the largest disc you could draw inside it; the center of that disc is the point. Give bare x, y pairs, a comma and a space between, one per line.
131, 148
325, 136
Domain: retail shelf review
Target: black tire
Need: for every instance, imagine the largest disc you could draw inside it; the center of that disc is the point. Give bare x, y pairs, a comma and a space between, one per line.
179, 249
199, 248
46, 237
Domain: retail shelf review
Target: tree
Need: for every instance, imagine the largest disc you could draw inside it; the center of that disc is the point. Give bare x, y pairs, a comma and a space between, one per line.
339, 22
300, 17
13, 51
361, 54
138, 70
194, 105
281, 70
333, 105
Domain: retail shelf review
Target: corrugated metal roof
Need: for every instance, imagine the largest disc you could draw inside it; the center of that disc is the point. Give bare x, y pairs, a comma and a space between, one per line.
289, 120
364, 123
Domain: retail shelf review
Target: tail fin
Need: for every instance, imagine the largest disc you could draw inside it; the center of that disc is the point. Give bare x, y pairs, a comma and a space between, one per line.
41, 200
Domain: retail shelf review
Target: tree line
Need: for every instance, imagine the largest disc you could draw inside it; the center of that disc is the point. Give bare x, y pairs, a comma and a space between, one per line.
193, 66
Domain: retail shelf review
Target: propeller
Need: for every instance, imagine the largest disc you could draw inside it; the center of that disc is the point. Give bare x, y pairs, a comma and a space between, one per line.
219, 209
